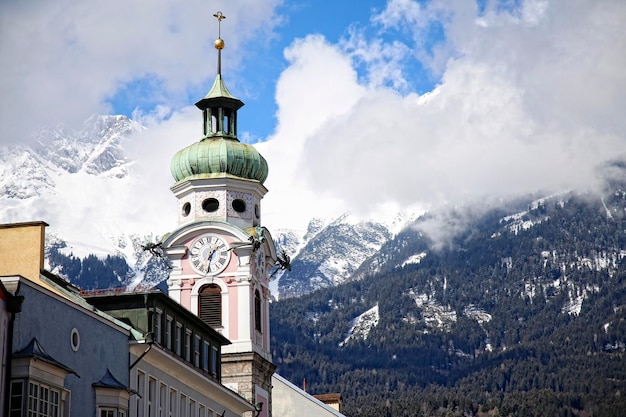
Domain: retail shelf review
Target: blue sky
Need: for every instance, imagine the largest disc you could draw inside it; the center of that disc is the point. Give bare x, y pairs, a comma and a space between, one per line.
362, 106
262, 58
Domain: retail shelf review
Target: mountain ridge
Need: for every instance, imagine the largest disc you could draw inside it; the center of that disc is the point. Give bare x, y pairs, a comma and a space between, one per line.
40, 181
494, 323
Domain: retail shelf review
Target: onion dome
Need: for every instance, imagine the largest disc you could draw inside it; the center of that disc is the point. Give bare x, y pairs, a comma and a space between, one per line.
216, 157
219, 153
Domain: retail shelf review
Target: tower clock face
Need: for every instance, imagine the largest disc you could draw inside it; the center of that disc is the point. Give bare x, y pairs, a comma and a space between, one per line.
209, 254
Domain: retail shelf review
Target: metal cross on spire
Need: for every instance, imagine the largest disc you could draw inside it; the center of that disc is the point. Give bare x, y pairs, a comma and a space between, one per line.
219, 42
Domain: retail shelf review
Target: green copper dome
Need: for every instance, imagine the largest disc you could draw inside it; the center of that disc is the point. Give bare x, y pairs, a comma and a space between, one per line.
219, 153
212, 157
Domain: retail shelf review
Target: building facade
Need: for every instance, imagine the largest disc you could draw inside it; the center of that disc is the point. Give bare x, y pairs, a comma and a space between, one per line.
175, 358
103, 354
66, 358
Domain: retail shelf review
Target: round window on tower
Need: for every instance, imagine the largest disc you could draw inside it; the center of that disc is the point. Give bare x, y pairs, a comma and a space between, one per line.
186, 209
257, 211
239, 205
210, 205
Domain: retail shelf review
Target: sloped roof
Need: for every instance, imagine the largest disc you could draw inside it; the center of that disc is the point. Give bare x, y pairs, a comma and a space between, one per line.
286, 387
109, 381
333, 397
36, 351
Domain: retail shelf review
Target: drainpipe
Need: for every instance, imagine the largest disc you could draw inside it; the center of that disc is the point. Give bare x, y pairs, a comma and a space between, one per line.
14, 306
141, 356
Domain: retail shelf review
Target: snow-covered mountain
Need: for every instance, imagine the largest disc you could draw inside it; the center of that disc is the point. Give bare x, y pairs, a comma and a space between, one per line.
330, 253
80, 182
75, 179
563, 265
96, 149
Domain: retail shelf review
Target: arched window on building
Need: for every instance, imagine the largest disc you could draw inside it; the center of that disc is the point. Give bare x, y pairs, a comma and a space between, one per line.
210, 305
257, 310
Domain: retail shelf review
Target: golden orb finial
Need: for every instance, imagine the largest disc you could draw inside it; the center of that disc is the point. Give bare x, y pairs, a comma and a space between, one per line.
219, 42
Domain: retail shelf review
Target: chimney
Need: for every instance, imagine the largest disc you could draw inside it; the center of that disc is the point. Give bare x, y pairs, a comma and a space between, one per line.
22, 249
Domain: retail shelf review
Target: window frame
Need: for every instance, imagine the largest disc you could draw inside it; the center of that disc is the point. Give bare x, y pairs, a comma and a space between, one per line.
158, 326
197, 353
117, 412
29, 397
169, 322
188, 347
178, 339
258, 312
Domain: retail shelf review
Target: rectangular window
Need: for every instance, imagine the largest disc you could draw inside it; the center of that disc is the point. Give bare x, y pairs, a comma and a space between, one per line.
44, 394
17, 399
196, 351
152, 382
188, 345
141, 390
183, 405
55, 403
257, 311
178, 338
173, 402
206, 350
215, 361
43, 400
158, 320
192, 408
162, 400
168, 332
33, 400
107, 412
201, 410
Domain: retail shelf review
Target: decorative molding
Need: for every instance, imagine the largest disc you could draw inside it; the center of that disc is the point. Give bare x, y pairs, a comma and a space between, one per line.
219, 195
247, 198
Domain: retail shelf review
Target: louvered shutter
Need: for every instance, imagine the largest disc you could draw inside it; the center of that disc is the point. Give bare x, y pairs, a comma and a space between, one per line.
210, 305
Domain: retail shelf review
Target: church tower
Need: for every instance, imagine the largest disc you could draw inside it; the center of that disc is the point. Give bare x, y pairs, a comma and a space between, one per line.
220, 253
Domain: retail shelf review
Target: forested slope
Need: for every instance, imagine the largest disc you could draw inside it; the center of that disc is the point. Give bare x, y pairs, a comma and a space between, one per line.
523, 313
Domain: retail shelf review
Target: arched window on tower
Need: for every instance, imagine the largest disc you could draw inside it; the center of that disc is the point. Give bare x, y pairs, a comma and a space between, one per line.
227, 122
214, 126
210, 305
206, 122
257, 311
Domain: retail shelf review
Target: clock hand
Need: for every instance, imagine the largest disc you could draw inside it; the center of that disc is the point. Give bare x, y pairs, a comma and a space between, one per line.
209, 258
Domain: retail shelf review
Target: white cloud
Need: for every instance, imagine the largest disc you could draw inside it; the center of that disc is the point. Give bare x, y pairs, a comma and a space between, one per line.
318, 85
64, 60
529, 100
